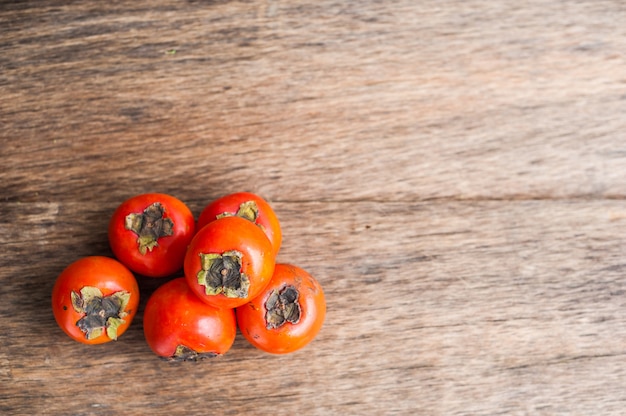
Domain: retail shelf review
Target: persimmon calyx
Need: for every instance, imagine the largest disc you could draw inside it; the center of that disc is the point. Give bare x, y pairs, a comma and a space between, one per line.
184, 353
247, 210
149, 225
221, 273
282, 306
101, 313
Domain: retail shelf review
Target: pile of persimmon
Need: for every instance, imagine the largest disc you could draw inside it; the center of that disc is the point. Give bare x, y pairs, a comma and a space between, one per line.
230, 279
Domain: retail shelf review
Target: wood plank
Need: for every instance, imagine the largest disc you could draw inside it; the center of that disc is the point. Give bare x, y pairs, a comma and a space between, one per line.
453, 173
476, 307
314, 101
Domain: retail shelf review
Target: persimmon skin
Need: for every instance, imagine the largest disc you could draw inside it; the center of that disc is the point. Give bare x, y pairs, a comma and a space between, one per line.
174, 316
231, 203
231, 234
289, 337
167, 256
104, 273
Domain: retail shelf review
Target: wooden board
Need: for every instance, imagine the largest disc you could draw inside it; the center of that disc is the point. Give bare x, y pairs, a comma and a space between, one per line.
453, 173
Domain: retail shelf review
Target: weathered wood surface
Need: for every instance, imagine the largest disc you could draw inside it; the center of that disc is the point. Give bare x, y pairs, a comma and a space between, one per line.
453, 173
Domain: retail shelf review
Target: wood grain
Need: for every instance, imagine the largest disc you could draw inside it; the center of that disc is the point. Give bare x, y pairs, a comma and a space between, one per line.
469, 100
453, 173
486, 301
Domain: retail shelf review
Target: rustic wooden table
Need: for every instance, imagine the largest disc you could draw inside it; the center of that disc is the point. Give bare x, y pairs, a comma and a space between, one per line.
452, 172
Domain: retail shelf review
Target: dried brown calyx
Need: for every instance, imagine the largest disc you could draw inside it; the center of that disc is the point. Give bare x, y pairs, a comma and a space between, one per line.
282, 306
184, 353
149, 225
101, 313
248, 210
221, 273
